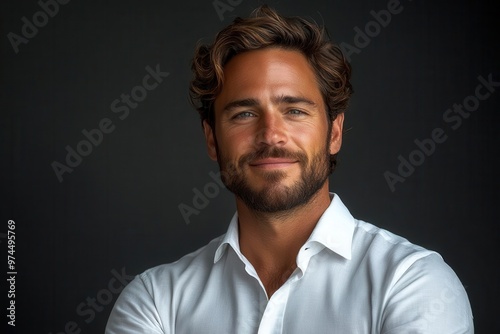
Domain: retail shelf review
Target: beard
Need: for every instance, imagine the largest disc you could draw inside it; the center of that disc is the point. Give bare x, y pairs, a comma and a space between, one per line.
276, 197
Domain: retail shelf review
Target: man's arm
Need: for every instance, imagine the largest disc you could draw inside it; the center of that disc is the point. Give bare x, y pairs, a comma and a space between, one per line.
135, 312
428, 298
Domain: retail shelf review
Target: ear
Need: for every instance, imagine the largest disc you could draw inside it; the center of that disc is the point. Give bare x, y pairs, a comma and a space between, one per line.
336, 137
210, 140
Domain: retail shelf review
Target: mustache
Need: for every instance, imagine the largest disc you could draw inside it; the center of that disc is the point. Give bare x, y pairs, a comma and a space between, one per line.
272, 152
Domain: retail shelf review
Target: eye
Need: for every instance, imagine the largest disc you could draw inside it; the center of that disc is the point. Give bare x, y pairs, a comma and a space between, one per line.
243, 115
296, 112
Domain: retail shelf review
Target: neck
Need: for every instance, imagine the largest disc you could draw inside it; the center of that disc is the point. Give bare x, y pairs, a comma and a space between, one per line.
271, 241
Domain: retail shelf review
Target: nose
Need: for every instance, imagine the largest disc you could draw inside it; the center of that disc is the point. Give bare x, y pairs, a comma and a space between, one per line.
271, 130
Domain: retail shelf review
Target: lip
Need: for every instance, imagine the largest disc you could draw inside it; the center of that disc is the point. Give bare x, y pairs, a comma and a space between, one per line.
272, 163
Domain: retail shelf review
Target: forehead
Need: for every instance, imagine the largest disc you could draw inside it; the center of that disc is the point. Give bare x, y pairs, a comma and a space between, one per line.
267, 73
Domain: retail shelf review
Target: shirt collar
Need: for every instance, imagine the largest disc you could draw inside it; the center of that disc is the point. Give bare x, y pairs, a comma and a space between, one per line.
334, 230
230, 238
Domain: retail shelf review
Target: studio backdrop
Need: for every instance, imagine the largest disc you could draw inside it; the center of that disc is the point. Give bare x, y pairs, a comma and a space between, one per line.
105, 171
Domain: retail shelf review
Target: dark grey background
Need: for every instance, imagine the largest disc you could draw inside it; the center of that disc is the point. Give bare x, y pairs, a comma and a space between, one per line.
118, 210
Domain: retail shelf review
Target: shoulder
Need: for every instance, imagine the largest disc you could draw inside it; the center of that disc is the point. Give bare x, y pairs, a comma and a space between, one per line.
377, 244
397, 262
200, 261
417, 286
141, 305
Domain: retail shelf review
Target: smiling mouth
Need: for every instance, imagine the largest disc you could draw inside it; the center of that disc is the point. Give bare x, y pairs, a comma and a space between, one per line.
272, 163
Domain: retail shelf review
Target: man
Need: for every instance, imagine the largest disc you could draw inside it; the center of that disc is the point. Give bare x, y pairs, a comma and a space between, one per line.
272, 92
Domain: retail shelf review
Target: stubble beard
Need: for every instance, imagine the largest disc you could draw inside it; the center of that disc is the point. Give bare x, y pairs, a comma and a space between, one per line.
276, 197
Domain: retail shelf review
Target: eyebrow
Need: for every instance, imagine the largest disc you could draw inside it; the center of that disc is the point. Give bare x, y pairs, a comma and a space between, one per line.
287, 99
240, 103
282, 99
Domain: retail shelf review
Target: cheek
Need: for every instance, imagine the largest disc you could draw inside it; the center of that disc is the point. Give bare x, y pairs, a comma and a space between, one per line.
311, 139
232, 144
240, 137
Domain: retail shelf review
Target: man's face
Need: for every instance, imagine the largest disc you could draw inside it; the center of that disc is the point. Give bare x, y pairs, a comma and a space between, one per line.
271, 135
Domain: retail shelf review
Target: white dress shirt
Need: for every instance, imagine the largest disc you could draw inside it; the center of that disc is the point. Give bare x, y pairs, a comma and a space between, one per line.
351, 277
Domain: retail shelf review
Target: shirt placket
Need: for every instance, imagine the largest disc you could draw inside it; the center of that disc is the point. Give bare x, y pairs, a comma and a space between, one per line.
274, 313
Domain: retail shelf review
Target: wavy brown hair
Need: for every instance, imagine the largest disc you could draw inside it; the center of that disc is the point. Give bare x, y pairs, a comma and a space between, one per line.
262, 29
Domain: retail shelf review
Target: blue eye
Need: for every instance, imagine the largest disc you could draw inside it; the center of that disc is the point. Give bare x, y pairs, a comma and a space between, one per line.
296, 112
245, 114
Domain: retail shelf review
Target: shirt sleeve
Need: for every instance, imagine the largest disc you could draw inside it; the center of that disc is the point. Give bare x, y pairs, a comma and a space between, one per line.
135, 311
427, 298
